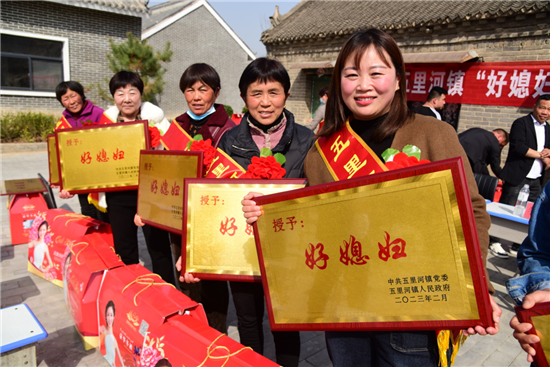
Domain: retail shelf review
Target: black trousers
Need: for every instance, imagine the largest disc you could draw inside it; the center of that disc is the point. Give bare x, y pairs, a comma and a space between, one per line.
249, 304
122, 207
213, 294
91, 211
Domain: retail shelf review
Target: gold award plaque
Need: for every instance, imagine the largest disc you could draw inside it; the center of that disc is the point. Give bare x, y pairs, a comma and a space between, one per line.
160, 192
52, 160
100, 158
28, 185
385, 252
218, 239
542, 326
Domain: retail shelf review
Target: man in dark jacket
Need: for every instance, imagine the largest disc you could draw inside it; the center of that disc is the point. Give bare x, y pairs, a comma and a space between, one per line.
483, 148
529, 153
435, 101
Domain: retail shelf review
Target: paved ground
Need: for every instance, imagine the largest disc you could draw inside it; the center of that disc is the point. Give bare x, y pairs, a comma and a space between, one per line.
63, 348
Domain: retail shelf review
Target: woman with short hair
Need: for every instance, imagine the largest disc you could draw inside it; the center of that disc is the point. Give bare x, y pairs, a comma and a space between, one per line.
200, 84
78, 109
127, 88
264, 87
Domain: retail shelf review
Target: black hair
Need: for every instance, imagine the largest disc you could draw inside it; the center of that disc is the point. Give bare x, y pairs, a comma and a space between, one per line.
323, 91
124, 78
503, 133
110, 304
337, 113
163, 363
62, 88
436, 92
543, 97
200, 72
264, 70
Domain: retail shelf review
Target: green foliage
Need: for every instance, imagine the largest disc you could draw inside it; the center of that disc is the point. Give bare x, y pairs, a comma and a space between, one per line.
26, 126
139, 57
265, 152
245, 109
228, 110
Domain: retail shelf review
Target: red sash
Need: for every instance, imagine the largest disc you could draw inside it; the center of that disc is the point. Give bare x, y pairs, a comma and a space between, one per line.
347, 155
62, 124
223, 166
175, 138
105, 120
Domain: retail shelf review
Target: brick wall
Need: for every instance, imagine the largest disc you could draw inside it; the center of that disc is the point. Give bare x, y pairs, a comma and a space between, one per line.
88, 32
198, 37
512, 38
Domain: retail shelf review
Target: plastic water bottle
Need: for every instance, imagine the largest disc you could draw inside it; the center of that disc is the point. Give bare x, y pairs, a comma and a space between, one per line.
521, 203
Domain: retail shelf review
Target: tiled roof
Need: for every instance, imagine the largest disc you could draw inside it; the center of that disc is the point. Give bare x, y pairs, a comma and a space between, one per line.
314, 19
162, 11
127, 7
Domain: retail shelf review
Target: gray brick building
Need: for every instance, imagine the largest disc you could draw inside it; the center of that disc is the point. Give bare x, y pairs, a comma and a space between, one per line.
196, 34
45, 42
308, 38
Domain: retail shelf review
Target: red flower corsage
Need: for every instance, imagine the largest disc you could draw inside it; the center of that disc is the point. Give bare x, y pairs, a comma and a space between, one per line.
154, 136
409, 157
266, 166
205, 146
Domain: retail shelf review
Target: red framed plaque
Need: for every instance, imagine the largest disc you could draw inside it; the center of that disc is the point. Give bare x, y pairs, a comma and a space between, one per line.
53, 167
539, 317
217, 243
161, 186
396, 250
100, 158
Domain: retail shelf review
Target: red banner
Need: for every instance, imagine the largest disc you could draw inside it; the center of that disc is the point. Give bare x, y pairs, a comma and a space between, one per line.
516, 84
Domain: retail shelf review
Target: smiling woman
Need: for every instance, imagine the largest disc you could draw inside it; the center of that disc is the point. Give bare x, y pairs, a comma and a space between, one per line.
200, 84
367, 111
77, 109
127, 88
264, 87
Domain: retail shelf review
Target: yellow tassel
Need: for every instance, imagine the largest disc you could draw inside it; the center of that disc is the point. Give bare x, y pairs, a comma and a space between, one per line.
443, 337
446, 339
460, 339
95, 203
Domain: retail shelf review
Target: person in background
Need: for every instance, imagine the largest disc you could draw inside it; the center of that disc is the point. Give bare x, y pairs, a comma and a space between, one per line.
78, 111
434, 102
483, 148
533, 284
368, 96
320, 113
126, 88
528, 156
200, 85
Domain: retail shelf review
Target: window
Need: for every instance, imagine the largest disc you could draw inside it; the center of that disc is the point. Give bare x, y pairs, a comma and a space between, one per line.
32, 63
